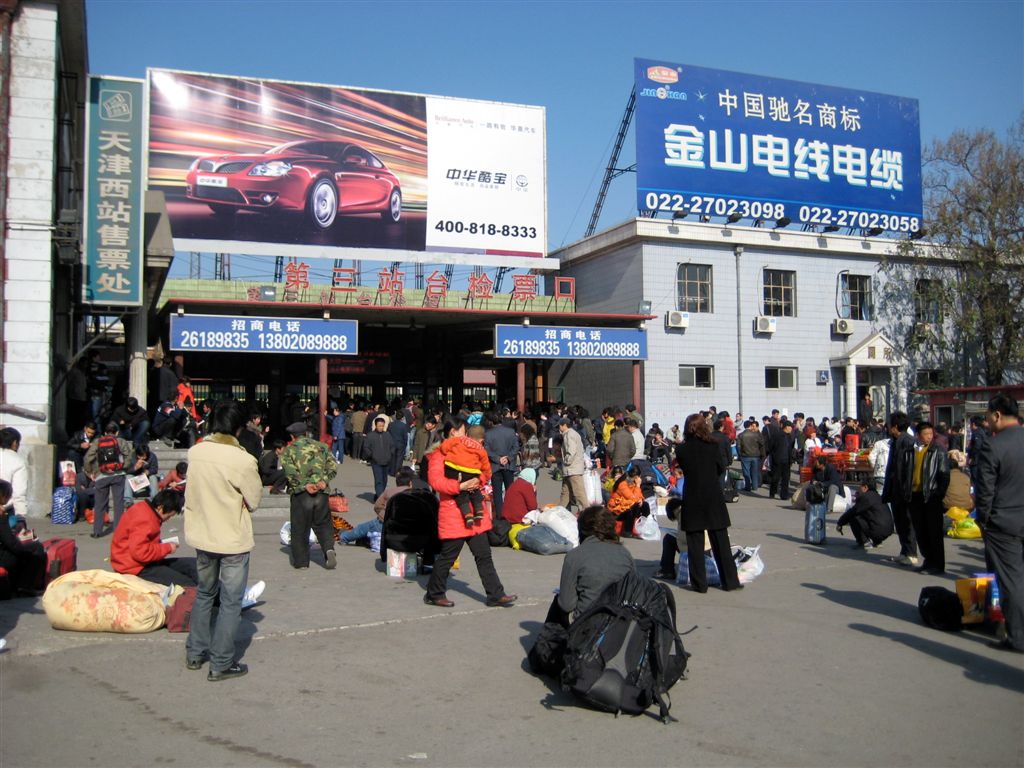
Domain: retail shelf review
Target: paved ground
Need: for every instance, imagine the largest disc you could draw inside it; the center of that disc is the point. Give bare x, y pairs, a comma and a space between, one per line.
821, 661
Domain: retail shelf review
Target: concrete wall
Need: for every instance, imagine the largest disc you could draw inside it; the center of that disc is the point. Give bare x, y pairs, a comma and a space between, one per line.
28, 288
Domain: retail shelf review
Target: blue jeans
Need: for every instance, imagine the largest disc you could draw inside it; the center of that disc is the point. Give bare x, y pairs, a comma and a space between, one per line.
751, 472
225, 575
338, 449
361, 531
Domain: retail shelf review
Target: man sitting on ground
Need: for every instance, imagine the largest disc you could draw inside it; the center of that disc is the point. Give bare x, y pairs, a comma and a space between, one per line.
271, 473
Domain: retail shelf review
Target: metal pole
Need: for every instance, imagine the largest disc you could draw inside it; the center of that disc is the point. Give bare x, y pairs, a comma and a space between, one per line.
520, 385
323, 397
636, 387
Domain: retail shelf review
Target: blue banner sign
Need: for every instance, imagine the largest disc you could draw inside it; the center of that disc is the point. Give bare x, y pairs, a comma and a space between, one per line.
717, 143
294, 335
554, 342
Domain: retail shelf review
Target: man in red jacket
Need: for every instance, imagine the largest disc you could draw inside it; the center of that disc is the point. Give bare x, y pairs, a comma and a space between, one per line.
136, 548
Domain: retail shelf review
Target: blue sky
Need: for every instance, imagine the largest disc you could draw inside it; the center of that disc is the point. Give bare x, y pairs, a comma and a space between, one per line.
964, 61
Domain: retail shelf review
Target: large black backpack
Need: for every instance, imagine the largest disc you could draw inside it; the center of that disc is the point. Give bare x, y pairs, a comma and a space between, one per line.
624, 652
410, 522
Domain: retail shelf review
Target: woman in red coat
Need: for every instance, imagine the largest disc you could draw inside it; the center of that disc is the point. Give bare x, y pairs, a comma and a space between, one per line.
453, 533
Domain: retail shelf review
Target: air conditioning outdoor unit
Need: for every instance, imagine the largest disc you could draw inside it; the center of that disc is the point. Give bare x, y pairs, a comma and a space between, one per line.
764, 324
676, 319
841, 327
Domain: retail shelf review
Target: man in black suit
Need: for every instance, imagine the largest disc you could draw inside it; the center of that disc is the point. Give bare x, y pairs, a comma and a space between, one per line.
899, 480
779, 448
999, 503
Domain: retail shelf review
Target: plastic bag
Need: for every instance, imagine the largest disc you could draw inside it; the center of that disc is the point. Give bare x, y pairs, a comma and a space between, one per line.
286, 536
647, 528
965, 529
749, 564
542, 540
592, 485
956, 514
683, 573
562, 522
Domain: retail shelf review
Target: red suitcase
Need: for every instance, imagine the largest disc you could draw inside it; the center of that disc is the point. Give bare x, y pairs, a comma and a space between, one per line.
61, 557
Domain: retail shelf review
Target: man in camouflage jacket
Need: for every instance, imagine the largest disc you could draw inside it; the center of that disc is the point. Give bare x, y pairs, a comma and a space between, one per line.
309, 468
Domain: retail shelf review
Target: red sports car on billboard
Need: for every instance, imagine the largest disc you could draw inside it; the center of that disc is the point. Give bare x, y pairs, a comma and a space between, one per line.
320, 178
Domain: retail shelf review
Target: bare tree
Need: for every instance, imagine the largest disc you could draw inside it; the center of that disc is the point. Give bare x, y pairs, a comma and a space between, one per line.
966, 286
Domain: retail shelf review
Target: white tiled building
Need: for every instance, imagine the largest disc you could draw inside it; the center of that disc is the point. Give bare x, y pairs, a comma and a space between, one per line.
42, 89
717, 281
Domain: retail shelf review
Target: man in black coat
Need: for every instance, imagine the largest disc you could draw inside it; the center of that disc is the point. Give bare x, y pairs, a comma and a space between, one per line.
999, 502
869, 519
724, 445
502, 446
378, 449
899, 479
780, 451
929, 484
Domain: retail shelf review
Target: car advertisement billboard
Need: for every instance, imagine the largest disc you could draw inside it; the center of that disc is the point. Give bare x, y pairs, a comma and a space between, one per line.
278, 168
718, 143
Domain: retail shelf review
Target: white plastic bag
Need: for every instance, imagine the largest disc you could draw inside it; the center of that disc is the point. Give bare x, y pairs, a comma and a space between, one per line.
647, 528
561, 521
286, 536
749, 564
592, 484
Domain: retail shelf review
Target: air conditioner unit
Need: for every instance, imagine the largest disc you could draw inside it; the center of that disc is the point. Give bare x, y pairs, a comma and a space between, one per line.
676, 319
764, 324
841, 327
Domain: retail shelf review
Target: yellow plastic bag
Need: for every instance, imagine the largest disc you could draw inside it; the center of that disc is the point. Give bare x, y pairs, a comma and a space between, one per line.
513, 535
965, 529
956, 514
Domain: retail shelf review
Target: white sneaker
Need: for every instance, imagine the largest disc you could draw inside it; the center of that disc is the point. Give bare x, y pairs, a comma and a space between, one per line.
252, 594
908, 560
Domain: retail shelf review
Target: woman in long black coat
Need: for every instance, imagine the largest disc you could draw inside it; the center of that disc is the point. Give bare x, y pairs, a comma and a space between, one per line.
703, 505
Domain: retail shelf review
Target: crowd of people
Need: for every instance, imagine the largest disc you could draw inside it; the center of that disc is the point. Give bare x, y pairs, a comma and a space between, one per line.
482, 467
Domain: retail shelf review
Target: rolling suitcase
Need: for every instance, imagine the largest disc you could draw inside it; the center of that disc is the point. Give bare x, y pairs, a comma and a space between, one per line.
61, 557
814, 523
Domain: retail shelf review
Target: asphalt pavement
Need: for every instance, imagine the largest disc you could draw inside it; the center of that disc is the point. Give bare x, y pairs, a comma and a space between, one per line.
822, 661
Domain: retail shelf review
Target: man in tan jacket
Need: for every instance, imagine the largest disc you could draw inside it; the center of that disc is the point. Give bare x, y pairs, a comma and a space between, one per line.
224, 488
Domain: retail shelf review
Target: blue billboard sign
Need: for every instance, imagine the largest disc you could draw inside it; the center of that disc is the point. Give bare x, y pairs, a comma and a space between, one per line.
293, 335
558, 342
718, 143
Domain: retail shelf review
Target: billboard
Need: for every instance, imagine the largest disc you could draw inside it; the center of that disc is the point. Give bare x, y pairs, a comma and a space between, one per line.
718, 143
114, 196
292, 335
557, 342
268, 167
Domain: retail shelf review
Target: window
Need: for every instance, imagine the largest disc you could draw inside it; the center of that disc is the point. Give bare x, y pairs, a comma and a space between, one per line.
855, 297
693, 288
930, 378
697, 376
780, 378
926, 302
779, 293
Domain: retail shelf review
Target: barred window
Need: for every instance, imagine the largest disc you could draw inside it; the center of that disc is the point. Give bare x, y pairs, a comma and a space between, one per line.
693, 288
779, 293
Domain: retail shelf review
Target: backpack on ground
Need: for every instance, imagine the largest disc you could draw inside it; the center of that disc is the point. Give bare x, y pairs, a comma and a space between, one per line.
624, 653
729, 490
941, 608
108, 455
547, 656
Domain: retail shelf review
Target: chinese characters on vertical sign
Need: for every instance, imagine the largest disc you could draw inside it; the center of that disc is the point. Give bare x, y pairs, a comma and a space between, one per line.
113, 249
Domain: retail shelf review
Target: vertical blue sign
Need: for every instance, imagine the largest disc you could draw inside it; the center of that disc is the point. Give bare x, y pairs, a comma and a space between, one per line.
114, 195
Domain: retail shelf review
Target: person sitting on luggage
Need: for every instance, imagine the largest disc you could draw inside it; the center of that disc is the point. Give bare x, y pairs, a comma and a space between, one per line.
829, 476
465, 459
587, 570
521, 496
25, 562
869, 518
176, 479
136, 547
627, 502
